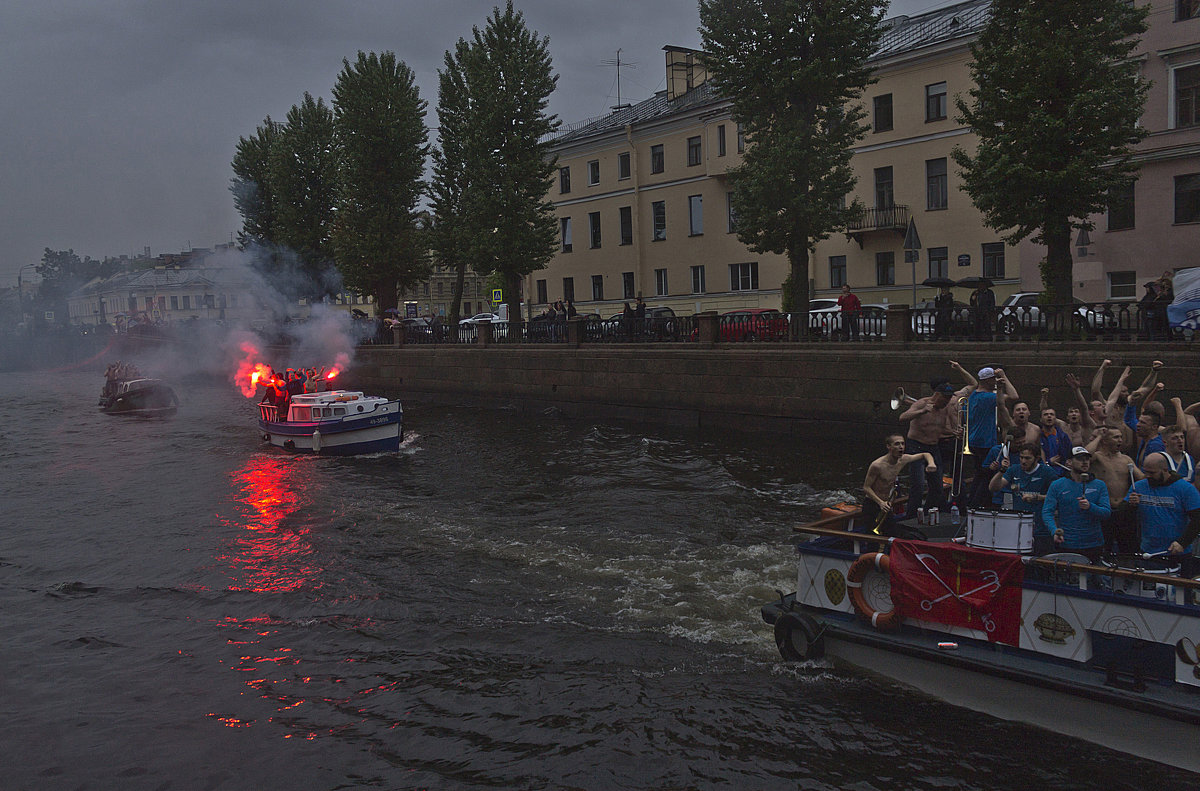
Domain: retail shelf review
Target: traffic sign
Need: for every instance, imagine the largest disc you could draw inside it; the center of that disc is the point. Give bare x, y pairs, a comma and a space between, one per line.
497, 295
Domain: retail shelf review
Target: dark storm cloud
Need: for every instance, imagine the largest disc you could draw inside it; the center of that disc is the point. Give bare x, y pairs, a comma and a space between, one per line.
121, 116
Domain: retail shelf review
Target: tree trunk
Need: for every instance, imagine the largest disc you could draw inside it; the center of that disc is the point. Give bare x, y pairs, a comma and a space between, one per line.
512, 298
460, 274
385, 295
1057, 274
798, 259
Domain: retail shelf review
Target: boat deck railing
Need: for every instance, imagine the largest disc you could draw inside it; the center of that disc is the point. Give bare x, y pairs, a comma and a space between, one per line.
269, 412
1057, 566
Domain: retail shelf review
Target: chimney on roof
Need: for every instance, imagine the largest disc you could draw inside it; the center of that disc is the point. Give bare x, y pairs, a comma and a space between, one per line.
685, 70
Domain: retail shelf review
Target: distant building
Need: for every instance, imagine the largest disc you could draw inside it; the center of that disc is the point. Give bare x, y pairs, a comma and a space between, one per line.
432, 297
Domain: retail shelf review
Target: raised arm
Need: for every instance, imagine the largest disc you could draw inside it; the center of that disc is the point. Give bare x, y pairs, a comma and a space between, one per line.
917, 408
1147, 386
1044, 400
1111, 403
965, 374
1098, 381
1085, 408
1002, 379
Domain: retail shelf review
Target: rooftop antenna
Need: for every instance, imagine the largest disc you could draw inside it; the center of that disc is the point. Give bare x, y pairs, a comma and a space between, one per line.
618, 64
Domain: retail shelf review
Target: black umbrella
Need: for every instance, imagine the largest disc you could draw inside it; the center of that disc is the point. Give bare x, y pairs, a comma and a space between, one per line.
393, 311
938, 282
974, 282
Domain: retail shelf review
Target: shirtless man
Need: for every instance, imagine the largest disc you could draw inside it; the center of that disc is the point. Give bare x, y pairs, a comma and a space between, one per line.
1027, 432
1118, 472
929, 419
880, 485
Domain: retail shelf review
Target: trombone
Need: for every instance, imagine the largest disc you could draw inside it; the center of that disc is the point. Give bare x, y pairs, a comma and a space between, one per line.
901, 399
961, 450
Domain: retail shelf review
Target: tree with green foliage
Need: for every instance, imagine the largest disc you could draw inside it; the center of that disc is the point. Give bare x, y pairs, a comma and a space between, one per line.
448, 219
1055, 106
304, 177
794, 72
253, 196
510, 227
379, 118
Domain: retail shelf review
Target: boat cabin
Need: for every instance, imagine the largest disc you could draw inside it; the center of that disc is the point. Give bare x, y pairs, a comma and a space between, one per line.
316, 407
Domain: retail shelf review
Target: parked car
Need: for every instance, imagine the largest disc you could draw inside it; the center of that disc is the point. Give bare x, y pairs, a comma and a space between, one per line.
659, 322
753, 324
1022, 312
823, 316
479, 318
924, 318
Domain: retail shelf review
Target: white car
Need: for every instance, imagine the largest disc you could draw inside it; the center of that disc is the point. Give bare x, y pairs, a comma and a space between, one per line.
479, 318
1022, 313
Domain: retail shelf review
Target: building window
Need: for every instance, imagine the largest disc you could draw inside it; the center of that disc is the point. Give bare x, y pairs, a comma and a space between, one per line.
627, 285
542, 296
693, 151
440, 288
594, 229
837, 271
658, 210
1122, 285
1187, 9
660, 282
466, 309
698, 279
569, 289
741, 140
564, 224
720, 140
564, 180
935, 102
187, 303
623, 165
174, 303
626, 213
993, 260
935, 184
884, 195
1187, 198
1120, 207
939, 262
743, 277
657, 160
695, 215
598, 288
883, 113
593, 172
885, 269
1187, 96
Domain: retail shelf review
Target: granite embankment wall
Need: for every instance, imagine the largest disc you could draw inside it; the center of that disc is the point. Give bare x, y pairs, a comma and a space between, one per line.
781, 388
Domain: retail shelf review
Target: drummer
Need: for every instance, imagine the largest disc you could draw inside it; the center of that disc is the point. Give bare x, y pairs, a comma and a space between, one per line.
1168, 508
1028, 482
1074, 508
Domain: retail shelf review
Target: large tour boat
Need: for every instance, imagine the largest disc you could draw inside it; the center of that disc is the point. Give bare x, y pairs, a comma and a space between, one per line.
1106, 652
138, 398
334, 423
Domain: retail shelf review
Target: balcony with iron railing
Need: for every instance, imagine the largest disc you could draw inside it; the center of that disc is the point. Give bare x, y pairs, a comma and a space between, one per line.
878, 219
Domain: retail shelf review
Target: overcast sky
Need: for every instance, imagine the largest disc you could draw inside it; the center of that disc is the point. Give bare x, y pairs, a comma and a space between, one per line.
121, 116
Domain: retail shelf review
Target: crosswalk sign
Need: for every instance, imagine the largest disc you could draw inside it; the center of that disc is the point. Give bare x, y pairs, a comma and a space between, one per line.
497, 295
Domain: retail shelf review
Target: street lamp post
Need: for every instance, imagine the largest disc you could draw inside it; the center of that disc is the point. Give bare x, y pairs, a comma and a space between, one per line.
21, 288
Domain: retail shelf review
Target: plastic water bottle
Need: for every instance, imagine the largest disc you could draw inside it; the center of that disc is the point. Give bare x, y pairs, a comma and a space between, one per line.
954, 515
1007, 501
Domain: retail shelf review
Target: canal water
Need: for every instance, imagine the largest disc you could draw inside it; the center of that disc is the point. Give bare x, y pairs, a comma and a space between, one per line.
512, 601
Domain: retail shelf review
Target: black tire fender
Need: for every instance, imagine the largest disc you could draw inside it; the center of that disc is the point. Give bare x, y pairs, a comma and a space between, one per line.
799, 637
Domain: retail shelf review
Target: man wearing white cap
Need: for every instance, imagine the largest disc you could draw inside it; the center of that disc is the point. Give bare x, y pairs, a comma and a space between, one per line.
1076, 507
981, 432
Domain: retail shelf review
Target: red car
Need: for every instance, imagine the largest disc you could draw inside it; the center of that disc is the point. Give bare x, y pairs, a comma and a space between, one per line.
753, 324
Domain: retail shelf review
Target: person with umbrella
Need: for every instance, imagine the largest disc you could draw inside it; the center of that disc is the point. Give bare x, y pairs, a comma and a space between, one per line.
983, 304
943, 305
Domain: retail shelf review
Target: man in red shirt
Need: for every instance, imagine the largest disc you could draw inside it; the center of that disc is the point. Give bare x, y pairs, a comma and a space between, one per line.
850, 306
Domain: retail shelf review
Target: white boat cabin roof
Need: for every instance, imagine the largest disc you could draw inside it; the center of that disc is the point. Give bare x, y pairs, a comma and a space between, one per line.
332, 397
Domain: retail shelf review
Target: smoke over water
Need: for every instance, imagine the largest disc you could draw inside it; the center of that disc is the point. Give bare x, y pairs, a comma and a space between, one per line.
277, 333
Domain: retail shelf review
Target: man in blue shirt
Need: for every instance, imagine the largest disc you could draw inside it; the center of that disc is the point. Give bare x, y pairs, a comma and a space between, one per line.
1168, 508
1147, 438
1028, 482
1056, 445
1074, 508
981, 434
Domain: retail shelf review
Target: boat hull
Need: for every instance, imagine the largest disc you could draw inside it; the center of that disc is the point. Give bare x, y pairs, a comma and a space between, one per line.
1007, 686
151, 399
379, 431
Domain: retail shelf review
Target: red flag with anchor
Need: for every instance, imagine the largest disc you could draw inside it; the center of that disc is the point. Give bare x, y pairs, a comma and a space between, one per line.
958, 586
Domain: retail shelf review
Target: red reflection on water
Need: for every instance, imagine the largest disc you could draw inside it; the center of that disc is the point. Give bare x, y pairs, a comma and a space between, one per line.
273, 553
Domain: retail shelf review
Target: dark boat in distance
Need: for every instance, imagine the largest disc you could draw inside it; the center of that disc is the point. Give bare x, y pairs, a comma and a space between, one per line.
138, 398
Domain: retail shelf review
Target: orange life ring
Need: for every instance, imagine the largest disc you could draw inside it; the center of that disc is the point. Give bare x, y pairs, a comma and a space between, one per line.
854, 579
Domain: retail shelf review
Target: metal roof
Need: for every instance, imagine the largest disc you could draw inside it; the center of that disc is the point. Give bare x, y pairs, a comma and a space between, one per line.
901, 34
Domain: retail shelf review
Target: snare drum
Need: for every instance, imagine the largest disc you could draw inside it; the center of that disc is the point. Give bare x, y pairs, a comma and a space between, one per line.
1002, 531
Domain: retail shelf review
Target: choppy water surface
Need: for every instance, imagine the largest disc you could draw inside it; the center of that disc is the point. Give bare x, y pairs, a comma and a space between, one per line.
509, 602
